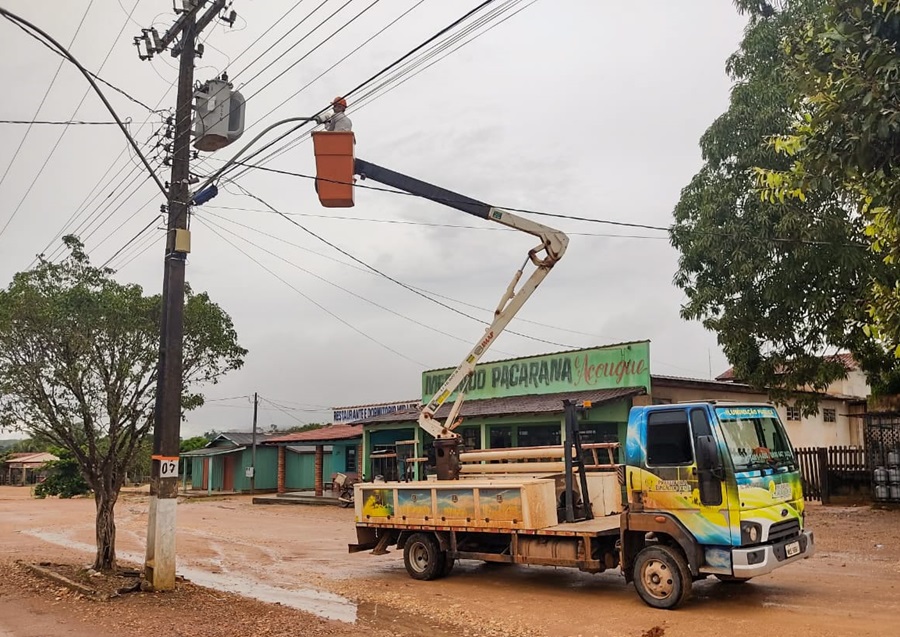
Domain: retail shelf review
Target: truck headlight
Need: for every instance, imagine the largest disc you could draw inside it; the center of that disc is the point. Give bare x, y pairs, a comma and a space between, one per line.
751, 532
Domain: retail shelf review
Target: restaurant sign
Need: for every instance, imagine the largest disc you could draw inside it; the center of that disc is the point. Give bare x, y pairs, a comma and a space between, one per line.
626, 365
359, 412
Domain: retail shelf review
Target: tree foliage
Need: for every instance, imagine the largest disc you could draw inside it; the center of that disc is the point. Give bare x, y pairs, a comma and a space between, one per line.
781, 280
845, 64
65, 478
78, 361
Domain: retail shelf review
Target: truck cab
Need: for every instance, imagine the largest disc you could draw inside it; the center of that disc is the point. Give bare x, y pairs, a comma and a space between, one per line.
719, 481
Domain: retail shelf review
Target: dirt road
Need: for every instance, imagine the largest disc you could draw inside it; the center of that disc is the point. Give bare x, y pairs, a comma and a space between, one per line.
296, 556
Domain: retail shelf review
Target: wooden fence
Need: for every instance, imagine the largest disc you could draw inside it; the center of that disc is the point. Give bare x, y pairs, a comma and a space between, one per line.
834, 473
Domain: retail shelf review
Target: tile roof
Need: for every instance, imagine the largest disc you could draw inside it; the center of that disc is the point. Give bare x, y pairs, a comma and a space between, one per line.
323, 434
535, 404
31, 459
846, 358
736, 387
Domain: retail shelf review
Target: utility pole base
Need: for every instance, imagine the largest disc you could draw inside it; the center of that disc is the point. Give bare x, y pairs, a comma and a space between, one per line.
159, 566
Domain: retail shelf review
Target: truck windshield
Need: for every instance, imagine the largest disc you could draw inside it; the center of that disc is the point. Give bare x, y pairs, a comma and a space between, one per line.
755, 438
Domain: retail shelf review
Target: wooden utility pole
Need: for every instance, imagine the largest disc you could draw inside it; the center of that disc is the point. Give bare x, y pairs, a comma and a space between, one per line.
253, 451
159, 567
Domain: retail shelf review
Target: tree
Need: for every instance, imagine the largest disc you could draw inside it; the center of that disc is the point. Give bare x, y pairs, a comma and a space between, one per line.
781, 280
845, 65
78, 360
65, 478
273, 428
192, 444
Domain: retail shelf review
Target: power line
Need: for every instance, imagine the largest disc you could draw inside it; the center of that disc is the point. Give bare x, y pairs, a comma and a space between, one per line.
130, 241
370, 273
70, 122
386, 276
389, 67
127, 260
369, 97
350, 292
623, 224
37, 34
426, 224
46, 93
311, 300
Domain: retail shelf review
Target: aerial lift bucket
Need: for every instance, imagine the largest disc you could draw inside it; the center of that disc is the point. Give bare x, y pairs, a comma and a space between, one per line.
334, 168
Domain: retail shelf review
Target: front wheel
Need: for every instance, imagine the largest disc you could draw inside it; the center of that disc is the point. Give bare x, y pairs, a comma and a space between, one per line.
662, 577
423, 557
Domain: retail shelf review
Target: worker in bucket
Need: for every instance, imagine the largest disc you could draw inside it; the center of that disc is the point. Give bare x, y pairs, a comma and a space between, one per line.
338, 122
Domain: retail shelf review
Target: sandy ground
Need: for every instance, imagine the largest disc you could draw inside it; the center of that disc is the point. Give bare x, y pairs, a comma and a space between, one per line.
297, 556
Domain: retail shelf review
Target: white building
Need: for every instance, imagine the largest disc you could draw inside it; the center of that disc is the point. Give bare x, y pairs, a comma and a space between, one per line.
839, 421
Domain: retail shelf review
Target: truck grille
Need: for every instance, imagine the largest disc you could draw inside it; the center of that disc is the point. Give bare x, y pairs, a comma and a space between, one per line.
784, 530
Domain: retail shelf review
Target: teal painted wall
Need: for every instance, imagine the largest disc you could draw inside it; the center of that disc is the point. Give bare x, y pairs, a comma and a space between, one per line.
299, 470
266, 469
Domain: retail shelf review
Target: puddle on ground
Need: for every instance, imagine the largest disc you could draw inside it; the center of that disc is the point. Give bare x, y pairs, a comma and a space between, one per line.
317, 602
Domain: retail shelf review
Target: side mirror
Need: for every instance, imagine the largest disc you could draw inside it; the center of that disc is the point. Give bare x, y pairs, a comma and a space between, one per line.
708, 456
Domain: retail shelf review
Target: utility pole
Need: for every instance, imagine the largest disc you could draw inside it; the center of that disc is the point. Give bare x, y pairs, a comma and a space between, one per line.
159, 566
253, 452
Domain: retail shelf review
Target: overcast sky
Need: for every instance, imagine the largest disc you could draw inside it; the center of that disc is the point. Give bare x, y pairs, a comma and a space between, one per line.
580, 107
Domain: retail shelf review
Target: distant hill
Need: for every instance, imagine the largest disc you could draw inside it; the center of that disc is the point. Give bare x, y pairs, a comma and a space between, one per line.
6, 444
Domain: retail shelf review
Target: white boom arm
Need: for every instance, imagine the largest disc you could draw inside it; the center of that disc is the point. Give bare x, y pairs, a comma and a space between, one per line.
553, 246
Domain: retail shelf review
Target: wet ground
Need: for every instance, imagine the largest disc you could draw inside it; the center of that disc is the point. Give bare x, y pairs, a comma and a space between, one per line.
297, 556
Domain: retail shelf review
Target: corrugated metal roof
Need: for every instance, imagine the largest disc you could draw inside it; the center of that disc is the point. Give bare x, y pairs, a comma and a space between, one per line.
323, 434
210, 451
537, 404
242, 437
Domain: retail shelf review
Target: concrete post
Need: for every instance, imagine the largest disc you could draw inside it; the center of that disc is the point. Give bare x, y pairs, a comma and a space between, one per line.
281, 453
319, 482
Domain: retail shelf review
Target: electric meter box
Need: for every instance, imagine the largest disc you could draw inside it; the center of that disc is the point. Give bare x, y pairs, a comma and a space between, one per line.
219, 116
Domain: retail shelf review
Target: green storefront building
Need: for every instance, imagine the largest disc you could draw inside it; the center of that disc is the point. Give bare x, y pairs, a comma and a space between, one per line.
517, 403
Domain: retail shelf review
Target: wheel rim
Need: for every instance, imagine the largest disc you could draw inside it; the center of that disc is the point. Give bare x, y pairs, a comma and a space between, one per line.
658, 579
418, 557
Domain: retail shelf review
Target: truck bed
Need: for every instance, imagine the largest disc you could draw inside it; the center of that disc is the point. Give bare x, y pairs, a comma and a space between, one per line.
607, 525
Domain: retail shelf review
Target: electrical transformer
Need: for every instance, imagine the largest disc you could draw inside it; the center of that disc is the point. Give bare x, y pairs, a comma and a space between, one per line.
219, 116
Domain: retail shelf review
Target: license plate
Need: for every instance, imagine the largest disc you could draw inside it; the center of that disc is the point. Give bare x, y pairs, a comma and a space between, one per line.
792, 549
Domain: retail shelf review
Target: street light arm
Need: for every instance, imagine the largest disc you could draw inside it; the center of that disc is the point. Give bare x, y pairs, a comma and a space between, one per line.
231, 162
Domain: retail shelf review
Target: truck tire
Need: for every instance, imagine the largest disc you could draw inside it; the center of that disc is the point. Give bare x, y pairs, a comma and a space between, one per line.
662, 576
423, 557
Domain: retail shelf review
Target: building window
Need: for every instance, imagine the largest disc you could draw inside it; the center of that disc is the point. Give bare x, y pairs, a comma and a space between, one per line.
669, 439
539, 435
829, 415
350, 466
501, 437
793, 413
471, 438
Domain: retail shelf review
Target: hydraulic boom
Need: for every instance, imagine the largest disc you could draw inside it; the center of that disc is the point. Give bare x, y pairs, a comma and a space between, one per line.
543, 257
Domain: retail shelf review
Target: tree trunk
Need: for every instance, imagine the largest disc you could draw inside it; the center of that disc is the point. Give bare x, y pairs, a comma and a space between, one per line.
106, 530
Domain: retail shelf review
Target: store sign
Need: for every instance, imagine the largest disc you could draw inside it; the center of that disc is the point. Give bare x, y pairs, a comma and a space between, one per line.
360, 412
598, 368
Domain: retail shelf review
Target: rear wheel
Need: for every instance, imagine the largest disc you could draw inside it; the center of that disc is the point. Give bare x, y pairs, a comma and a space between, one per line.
422, 557
662, 576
